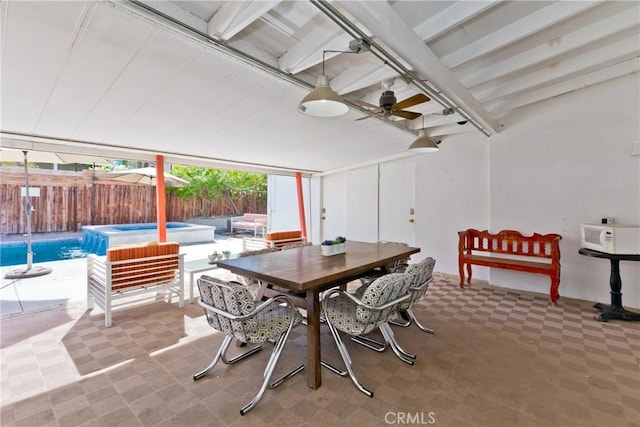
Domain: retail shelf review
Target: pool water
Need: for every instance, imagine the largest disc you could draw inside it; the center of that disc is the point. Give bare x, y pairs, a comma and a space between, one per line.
97, 238
15, 253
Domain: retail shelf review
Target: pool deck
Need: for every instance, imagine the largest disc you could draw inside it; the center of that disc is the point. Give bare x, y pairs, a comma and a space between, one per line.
66, 284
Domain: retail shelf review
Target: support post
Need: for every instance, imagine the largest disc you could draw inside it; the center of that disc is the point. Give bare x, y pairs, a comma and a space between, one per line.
303, 221
161, 209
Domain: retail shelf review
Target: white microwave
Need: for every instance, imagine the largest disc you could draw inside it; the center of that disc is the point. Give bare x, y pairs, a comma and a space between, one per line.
611, 238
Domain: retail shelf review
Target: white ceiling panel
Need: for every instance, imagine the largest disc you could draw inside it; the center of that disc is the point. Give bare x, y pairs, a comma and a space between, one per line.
104, 43
34, 52
216, 82
149, 73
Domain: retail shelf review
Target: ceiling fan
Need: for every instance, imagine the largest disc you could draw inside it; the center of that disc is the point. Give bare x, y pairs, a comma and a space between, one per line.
389, 106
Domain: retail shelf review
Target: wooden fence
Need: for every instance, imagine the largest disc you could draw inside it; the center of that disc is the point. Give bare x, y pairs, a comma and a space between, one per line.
68, 200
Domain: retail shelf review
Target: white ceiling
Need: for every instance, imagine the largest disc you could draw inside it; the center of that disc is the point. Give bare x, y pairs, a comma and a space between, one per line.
218, 83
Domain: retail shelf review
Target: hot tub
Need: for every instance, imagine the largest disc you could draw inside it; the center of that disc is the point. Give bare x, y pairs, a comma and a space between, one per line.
97, 238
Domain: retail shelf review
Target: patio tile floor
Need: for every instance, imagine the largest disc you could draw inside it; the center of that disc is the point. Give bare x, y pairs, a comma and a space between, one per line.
498, 358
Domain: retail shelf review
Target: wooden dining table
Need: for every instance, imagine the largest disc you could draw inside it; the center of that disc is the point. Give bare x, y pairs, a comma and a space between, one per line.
305, 269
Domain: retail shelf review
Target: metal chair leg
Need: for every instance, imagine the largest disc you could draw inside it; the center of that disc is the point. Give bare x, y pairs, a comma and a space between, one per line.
268, 371
405, 356
271, 364
334, 369
347, 359
404, 322
412, 319
222, 349
368, 342
418, 324
241, 356
221, 355
286, 377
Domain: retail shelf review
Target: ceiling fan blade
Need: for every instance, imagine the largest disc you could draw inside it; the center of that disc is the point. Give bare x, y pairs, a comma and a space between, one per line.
406, 114
368, 106
411, 101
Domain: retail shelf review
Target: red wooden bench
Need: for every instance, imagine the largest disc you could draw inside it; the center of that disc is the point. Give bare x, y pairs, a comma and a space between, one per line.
510, 250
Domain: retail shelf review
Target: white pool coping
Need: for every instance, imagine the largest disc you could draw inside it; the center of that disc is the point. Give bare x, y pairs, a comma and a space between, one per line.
185, 234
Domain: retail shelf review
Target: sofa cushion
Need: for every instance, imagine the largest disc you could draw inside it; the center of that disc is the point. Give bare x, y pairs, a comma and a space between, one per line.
141, 271
251, 217
285, 234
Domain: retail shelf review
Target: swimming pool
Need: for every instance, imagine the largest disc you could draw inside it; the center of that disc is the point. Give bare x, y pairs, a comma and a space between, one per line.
97, 238
15, 253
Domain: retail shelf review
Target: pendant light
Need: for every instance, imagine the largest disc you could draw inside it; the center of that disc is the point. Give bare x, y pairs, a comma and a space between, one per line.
423, 144
323, 101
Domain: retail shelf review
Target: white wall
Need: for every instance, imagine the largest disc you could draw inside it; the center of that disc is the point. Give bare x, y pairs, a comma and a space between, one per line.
282, 203
350, 202
362, 205
452, 194
555, 165
565, 162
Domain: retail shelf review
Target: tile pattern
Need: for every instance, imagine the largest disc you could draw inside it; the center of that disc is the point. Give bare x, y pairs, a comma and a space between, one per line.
498, 358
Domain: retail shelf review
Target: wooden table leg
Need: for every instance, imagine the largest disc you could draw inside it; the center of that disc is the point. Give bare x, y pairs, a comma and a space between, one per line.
313, 366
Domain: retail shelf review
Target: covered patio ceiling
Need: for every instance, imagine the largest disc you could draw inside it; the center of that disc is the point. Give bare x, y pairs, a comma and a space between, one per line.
217, 83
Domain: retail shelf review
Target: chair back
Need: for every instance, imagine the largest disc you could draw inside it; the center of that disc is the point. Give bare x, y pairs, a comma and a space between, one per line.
419, 275
231, 299
253, 284
400, 265
359, 315
295, 245
381, 291
257, 252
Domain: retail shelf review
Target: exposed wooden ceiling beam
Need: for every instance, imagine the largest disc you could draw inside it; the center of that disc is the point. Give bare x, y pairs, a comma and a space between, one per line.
356, 78
382, 20
308, 52
586, 62
233, 17
458, 13
367, 72
176, 12
517, 30
552, 48
624, 68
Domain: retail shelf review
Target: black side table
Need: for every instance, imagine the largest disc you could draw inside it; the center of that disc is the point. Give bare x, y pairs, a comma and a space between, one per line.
615, 310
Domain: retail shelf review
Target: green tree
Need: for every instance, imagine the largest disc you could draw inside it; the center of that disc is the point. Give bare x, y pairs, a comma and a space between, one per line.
213, 184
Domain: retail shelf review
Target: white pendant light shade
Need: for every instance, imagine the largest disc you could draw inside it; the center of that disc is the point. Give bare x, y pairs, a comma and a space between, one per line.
323, 101
423, 144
